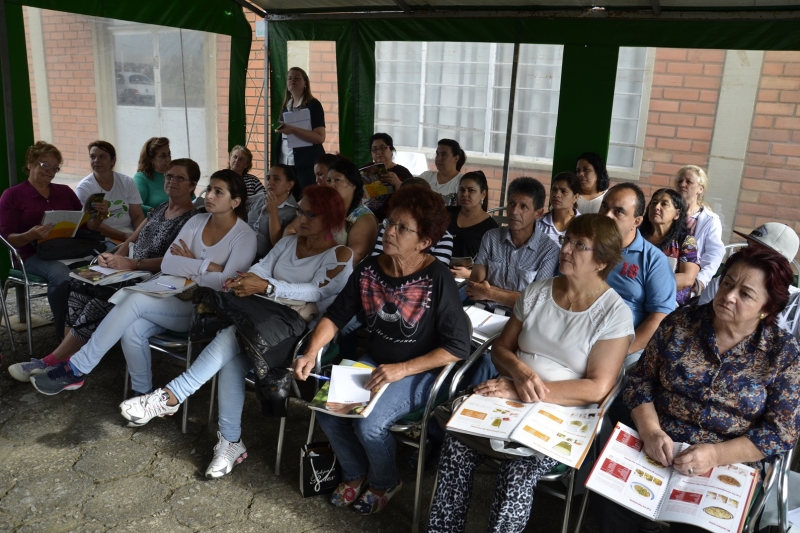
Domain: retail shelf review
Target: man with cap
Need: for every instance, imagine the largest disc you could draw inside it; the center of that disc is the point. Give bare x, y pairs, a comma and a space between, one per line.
785, 241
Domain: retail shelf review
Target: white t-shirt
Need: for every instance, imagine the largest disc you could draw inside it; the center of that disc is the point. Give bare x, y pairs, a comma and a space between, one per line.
451, 187
121, 196
591, 206
555, 343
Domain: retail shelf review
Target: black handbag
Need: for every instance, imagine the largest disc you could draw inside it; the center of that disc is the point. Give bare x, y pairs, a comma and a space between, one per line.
83, 244
320, 472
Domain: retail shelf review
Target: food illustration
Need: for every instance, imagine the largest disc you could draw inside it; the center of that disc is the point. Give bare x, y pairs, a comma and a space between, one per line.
648, 477
576, 423
724, 499
733, 502
564, 447
718, 512
585, 428
712, 495
515, 404
496, 422
639, 473
642, 491
551, 416
653, 461
729, 480
657, 481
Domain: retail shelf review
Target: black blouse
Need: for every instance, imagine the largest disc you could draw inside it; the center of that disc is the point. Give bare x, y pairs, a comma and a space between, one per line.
467, 241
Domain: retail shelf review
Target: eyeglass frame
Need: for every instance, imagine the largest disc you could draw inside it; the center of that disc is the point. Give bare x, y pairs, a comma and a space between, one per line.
378, 149
575, 245
178, 179
401, 228
308, 214
47, 166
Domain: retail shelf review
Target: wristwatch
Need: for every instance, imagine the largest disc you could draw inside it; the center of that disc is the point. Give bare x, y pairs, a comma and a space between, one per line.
270, 290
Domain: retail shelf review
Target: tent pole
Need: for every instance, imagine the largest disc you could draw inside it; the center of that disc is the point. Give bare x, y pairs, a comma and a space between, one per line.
267, 124
8, 108
510, 124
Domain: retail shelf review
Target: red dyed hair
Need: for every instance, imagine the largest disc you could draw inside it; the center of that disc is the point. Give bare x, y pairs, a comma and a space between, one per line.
326, 202
425, 207
777, 271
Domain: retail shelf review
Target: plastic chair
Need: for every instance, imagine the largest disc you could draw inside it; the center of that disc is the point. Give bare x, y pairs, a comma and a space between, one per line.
499, 216
172, 343
5, 318
19, 277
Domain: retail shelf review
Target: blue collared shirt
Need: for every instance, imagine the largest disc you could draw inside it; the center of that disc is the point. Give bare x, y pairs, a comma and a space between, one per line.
644, 280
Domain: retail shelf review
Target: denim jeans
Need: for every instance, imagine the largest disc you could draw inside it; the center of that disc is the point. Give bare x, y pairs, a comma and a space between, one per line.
221, 355
134, 321
365, 446
57, 276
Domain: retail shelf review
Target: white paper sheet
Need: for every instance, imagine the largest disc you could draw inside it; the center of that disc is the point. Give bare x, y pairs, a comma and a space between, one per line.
104, 270
347, 384
299, 119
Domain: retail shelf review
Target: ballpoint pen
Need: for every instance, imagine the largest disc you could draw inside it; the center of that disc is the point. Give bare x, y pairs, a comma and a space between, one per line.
319, 377
167, 286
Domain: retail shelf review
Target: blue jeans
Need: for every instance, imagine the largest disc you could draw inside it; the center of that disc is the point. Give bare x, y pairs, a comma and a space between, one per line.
134, 321
57, 276
365, 446
221, 355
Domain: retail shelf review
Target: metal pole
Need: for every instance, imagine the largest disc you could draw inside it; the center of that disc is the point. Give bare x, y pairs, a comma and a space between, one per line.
267, 123
510, 126
8, 108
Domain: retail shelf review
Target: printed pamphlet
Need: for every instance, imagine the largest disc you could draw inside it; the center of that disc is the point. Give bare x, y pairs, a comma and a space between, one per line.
485, 324
347, 388
97, 275
373, 175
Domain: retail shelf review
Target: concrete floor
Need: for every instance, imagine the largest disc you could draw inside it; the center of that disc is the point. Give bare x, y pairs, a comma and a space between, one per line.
68, 464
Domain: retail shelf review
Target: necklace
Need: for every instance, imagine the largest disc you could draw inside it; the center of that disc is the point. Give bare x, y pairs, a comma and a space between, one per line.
571, 303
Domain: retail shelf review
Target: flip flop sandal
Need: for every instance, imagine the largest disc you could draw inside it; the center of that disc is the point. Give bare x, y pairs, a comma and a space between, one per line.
371, 503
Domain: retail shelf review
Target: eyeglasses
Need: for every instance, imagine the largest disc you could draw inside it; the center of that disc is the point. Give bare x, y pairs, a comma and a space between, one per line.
402, 229
308, 214
48, 166
576, 245
176, 179
377, 149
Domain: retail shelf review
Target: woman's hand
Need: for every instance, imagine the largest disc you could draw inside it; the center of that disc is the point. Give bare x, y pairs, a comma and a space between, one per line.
101, 208
498, 388
699, 458
246, 284
530, 388
272, 202
460, 272
38, 233
115, 261
391, 179
658, 445
479, 290
302, 366
181, 249
286, 129
386, 374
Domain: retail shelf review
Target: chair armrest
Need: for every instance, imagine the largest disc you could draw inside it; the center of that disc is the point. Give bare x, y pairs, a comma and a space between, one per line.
477, 354
13, 255
437, 385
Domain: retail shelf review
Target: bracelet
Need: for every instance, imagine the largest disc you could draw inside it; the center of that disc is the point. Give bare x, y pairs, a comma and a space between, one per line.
138, 263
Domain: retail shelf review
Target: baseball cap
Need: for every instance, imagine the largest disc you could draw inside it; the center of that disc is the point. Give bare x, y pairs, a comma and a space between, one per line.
777, 236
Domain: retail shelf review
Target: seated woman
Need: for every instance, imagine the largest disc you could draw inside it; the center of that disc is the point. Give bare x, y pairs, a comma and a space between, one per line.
469, 220
591, 170
721, 377
21, 210
564, 194
665, 227
149, 177
307, 267
125, 204
381, 146
241, 161
270, 216
702, 223
210, 248
416, 327
321, 167
449, 160
564, 344
88, 304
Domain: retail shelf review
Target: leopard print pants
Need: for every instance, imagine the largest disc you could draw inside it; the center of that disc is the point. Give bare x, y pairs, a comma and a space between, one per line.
513, 492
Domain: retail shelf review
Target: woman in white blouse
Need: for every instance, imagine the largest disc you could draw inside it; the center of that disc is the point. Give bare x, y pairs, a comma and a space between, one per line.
308, 267
565, 192
209, 249
450, 158
691, 182
591, 169
564, 344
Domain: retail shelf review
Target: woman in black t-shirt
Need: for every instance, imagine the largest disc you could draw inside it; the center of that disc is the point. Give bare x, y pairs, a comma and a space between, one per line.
416, 326
469, 221
299, 97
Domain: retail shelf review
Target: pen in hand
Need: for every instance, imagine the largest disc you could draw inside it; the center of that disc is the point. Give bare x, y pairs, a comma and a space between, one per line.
313, 375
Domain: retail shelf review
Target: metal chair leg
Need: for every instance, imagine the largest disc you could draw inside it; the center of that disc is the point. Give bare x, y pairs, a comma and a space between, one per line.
423, 438
186, 401
126, 385
311, 426
570, 488
584, 504
280, 446
211, 402
28, 318
5, 318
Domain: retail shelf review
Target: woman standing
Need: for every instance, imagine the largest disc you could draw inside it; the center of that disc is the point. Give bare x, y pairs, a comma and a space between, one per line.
469, 220
450, 158
298, 96
125, 204
381, 146
149, 177
591, 169
564, 195
665, 227
21, 210
705, 225
210, 248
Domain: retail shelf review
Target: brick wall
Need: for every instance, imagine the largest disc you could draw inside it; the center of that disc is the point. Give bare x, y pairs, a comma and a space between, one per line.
771, 183
325, 87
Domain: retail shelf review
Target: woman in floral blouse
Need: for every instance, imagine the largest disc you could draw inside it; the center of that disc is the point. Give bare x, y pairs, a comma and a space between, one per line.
721, 377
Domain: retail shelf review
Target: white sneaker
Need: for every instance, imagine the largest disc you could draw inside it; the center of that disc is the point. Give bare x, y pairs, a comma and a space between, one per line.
24, 371
226, 455
141, 409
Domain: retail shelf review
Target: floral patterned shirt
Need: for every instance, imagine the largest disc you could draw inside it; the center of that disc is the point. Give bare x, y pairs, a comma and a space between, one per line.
702, 396
684, 252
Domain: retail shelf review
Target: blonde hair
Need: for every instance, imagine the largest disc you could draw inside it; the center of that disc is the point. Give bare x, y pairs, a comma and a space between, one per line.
246, 151
307, 96
702, 179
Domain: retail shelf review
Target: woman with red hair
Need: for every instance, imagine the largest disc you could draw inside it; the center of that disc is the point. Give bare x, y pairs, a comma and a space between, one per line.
308, 267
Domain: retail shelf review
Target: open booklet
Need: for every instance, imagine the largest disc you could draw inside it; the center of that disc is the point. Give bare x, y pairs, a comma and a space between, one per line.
345, 395
160, 286
484, 323
97, 275
66, 223
717, 501
372, 176
563, 433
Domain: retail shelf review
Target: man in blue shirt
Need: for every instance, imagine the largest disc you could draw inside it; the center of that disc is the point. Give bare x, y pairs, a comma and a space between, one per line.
644, 278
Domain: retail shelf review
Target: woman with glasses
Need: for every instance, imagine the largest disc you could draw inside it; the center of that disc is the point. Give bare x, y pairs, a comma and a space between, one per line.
417, 326
22, 208
144, 250
450, 158
125, 212
306, 267
382, 148
149, 177
564, 344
